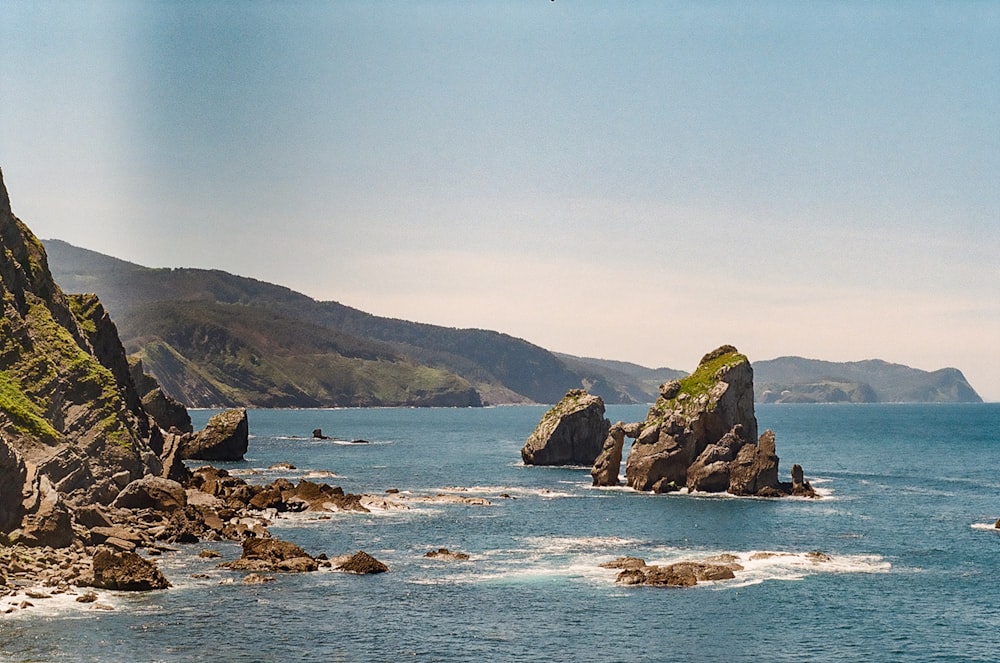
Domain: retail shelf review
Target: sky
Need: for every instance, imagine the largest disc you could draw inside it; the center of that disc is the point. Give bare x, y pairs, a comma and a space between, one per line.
641, 181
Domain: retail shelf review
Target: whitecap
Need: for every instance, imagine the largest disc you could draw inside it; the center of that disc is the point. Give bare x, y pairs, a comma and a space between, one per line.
985, 526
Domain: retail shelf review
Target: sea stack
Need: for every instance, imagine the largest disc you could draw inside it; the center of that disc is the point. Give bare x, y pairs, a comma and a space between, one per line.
571, 433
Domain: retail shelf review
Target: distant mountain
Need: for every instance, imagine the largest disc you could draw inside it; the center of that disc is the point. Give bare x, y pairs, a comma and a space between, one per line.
631, 382
798, 380
216, 339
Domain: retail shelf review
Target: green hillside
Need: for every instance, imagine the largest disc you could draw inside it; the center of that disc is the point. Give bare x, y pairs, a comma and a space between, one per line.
212, 338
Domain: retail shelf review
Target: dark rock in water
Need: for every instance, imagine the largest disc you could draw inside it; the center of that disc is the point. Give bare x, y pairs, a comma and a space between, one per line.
710, 470
609, 462
318, 434
360, 442
681, 574
801, 487
225, 437
126, 571
361, 563
573, 432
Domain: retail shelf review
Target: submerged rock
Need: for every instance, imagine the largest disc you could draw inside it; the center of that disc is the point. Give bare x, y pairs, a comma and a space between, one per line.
571, 433
447, 555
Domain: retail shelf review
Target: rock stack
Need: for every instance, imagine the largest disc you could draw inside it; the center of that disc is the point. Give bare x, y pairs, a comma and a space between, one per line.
700, 434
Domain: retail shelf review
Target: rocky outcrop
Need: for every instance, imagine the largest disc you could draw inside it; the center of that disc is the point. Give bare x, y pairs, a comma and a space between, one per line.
681, 574
167, 412
225, 437
275, 555
571, 433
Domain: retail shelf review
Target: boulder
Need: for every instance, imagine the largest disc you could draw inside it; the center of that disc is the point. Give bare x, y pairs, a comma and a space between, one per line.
573, 432
361, 563
225, 437
125, 571
609, 461
152, 492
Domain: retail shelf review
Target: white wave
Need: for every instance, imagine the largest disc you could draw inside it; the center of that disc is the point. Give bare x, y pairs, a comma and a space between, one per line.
56, 604
985, 526
504, 492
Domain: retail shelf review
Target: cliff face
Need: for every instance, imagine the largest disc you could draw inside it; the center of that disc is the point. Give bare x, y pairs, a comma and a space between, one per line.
67, 407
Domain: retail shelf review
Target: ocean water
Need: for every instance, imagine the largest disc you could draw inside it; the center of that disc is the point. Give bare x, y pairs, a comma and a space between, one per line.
911, 494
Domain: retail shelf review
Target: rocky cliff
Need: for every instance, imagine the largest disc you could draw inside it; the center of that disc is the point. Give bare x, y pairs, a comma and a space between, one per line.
68, 410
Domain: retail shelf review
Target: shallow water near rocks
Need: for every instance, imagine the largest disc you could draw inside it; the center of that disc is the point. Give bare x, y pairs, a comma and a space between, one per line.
911, 496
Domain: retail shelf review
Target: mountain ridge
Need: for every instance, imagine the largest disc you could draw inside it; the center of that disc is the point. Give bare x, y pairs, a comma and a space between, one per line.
378, 357
498, 367
792, 379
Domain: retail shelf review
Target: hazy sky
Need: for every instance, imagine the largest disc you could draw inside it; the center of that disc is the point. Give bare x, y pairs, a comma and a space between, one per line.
631, 180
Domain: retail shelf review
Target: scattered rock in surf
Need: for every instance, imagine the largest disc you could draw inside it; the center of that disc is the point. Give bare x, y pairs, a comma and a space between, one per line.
209, 554
360, 563
318, 434
625, 563
282, 466
360, 442
257, 579
447, 555
680, 574
89, 597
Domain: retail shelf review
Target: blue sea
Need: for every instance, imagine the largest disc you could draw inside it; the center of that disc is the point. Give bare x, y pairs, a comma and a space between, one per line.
910, 496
